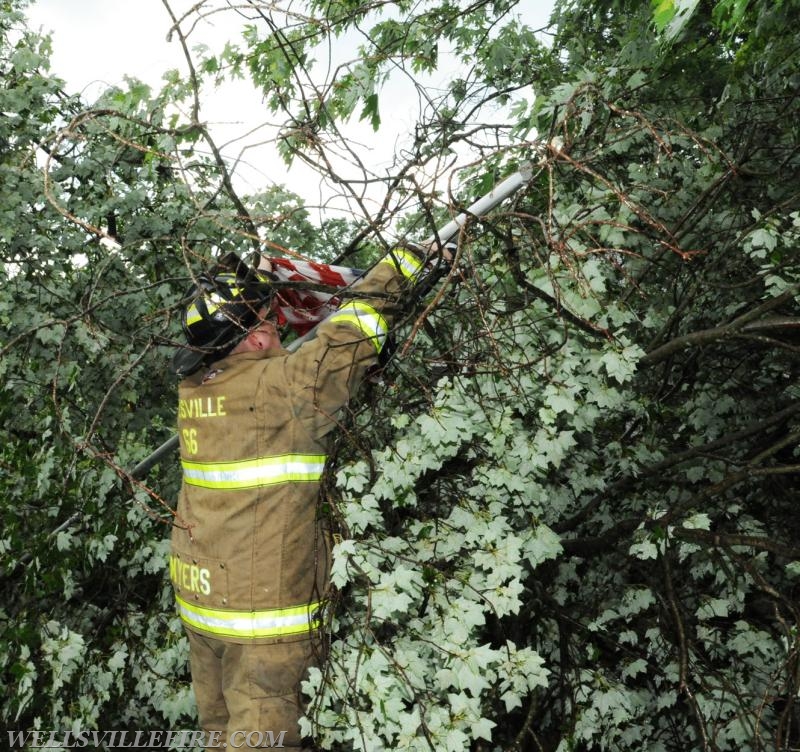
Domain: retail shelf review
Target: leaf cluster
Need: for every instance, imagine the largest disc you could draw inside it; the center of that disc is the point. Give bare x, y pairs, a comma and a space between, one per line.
566, 511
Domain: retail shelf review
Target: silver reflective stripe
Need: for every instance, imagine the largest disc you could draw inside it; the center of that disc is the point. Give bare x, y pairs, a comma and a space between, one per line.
274, 622
263, 471
366, 319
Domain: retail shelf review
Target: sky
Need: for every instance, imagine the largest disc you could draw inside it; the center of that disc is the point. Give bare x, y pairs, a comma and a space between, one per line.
96, 43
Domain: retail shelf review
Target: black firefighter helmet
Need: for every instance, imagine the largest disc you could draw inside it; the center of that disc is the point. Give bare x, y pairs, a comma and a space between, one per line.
218, 310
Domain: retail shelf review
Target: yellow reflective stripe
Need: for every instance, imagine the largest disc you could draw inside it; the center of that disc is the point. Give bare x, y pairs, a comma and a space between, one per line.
193, 315
273, 622
407, 262
366, 319
262, 471
213, 302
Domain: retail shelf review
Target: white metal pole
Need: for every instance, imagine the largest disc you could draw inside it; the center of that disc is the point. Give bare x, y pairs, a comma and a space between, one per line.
484, 204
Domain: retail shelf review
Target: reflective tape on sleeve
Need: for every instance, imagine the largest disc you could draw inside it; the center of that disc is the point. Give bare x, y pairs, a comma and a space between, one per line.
408, 264
273, 622
366, 319
262, 471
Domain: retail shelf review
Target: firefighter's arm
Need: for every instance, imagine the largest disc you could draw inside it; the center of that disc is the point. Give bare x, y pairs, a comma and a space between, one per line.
324, 373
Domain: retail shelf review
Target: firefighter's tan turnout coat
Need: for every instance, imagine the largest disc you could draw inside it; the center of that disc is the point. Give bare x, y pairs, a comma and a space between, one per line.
248, 560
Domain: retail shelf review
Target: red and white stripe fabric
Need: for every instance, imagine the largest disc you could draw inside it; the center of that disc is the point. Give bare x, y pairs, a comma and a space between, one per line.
302, 310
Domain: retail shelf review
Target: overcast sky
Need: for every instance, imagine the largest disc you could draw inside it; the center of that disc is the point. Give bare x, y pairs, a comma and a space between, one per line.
97, 42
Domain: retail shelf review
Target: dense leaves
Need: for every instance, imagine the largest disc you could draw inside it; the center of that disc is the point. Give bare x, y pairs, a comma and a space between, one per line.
567, 509
106, 210
584, 534
83, 393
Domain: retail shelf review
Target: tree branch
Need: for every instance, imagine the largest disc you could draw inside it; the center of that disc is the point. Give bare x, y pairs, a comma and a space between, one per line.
745, 322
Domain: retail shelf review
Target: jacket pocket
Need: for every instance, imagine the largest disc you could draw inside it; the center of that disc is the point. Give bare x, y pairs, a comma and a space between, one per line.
199, 580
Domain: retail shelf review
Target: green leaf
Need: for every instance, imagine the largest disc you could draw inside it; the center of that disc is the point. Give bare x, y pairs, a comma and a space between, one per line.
370, 111
663, 12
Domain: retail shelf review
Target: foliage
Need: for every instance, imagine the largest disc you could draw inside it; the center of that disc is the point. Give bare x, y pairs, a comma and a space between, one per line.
579, 538
83, 394
567, 511
106, 209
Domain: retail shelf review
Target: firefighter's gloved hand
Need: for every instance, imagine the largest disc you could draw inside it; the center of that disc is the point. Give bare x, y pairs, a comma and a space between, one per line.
445, 251
434, 251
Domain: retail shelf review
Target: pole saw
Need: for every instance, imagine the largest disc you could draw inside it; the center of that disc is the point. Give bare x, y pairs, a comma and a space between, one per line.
445, 234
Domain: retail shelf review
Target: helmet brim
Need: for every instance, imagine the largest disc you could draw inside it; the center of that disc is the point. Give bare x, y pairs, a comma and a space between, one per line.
185, 361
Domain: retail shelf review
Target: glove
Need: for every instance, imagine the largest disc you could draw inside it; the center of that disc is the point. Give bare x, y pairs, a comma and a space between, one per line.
433, 253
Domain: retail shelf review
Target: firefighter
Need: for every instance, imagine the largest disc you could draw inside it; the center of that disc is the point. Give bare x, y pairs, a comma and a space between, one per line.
249, 558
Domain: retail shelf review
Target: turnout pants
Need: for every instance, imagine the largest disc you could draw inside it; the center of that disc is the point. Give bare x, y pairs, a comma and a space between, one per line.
249, 693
